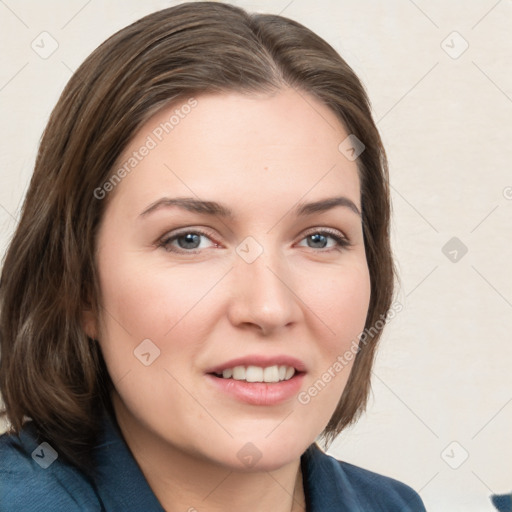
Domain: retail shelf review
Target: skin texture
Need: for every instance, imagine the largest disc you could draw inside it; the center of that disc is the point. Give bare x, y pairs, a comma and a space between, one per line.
259, 155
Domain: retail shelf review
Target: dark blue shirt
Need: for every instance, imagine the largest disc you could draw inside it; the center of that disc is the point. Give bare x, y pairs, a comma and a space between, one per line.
33, 479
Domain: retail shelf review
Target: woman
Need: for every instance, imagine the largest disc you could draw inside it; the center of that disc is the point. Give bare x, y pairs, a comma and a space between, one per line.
199, 278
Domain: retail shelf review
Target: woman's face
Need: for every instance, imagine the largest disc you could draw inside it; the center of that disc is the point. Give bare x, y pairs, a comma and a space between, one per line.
188, 291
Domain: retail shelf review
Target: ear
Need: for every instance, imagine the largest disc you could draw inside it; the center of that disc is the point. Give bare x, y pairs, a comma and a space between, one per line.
89, 324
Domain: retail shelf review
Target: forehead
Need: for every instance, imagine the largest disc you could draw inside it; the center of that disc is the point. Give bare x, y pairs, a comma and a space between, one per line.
276, 147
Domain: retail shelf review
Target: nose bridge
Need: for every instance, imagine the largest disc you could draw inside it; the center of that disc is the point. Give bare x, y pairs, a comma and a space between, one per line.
263, 285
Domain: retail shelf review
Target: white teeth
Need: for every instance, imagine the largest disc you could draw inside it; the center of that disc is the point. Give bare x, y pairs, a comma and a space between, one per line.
271, 374
239, 373
258, 374
289, 373
254, 374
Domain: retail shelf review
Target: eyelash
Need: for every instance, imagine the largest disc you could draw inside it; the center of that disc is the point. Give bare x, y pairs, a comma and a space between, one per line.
341, 242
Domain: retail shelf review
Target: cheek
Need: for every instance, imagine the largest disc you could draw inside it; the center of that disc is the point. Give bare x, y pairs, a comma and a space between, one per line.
149, 300
144, 341
341, 303
340, 299
161, 303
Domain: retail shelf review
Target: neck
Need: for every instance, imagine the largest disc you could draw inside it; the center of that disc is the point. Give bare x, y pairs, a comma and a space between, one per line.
185, 481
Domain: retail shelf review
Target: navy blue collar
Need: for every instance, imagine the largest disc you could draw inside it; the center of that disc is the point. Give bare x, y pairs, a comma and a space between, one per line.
121, 485
119, 482
326, 485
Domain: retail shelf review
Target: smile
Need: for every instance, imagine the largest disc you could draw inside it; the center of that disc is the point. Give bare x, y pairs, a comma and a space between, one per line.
258, 374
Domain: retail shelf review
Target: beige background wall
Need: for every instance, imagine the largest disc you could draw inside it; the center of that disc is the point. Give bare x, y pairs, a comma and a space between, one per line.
439, 75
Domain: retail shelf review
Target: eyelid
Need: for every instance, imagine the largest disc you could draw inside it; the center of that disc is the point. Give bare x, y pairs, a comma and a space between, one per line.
324, 230
189, 229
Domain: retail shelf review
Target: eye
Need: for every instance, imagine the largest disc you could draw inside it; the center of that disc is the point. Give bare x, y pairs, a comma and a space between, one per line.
186, 241
320, 237
189, 241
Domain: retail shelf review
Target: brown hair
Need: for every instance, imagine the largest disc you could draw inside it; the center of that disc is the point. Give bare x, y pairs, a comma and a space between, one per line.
50, 370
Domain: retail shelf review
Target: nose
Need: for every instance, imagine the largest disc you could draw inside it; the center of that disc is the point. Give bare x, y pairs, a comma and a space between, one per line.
263, 297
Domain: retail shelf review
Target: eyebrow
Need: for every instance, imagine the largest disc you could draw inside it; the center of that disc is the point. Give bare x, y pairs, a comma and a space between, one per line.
217, 209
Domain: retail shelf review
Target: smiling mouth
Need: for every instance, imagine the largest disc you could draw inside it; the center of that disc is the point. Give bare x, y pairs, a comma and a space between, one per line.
269, 374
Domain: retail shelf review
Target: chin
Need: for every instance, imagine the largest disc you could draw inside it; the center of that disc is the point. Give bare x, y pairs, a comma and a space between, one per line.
265, 454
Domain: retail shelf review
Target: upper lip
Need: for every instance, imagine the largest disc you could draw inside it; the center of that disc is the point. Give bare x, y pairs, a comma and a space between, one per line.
259, 360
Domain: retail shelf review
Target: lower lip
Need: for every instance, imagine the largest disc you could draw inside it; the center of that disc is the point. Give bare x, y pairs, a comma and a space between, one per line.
259, 393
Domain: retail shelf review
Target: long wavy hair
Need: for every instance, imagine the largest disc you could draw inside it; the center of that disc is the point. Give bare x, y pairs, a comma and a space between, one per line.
50, 371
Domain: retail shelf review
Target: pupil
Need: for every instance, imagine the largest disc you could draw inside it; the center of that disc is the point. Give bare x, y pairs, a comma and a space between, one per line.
316, 239
189, 237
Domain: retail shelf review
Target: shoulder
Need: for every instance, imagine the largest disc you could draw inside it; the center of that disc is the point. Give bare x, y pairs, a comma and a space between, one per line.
332, 484
33, 478
378, 490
